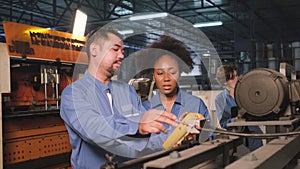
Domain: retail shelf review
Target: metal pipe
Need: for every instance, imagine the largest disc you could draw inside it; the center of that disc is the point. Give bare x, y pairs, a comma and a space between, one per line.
56, 87
45, 88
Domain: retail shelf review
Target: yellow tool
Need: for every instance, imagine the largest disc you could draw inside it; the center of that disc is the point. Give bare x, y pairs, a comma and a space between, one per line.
185, 127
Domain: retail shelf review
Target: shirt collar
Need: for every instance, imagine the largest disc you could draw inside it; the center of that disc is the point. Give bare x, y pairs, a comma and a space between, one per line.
156, 102
226, 92
179, 99
99, 85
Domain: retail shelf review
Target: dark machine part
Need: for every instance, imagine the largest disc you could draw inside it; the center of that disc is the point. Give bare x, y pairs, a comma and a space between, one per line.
234, 111
110, 164
295, 98
138, 162
262, 94
50, 76
142, 86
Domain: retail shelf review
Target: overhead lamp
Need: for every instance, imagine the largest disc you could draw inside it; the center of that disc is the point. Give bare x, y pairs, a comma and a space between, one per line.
79, 23
127, 31
148, 16
207, 24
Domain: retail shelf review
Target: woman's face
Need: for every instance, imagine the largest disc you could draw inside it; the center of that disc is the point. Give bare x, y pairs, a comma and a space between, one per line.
166, 74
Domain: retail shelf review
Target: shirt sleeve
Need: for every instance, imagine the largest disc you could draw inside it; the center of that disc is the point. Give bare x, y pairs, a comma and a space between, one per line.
223, 117
219, 108
203, 110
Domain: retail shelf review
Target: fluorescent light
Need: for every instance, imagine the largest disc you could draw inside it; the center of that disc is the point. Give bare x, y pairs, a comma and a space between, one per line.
79, 23
127, 31
207, 24
148, 16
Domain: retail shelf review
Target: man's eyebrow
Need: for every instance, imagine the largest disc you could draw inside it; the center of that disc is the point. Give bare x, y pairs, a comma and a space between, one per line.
120, 46
168, 68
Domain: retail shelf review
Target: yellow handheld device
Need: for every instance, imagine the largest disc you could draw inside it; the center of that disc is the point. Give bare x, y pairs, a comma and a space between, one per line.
186, 126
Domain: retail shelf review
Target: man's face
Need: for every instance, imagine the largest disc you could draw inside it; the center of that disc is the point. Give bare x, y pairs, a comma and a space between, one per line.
232, 82
109, 54
166, 74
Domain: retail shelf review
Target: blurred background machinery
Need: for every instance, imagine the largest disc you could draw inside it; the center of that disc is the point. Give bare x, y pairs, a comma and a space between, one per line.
34, 136
269, 99
266, 94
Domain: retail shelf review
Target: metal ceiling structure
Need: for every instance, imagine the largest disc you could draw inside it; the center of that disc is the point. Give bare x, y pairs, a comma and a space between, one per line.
245, 22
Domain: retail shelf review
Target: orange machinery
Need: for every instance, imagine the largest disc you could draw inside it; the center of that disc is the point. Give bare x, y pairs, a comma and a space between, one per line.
34, 135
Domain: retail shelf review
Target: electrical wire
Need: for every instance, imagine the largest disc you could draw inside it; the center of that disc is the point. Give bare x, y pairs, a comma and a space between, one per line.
252, 135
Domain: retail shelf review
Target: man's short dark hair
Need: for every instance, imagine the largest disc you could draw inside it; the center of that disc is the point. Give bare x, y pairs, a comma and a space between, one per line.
99, 33
225, 73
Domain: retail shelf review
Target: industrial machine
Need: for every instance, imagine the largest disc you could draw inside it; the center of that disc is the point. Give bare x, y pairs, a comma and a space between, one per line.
33, 132
37, 64
265, 94
269, 99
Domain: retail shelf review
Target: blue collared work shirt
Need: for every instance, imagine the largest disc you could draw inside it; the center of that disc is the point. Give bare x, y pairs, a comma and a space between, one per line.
224, 102
94, 129
184, 102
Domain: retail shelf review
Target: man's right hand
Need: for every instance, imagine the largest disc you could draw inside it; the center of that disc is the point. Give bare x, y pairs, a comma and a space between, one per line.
152, 121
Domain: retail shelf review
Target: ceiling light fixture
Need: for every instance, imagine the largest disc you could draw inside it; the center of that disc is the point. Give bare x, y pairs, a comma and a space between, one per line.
79, 23
148, 16
127, 31
207, 24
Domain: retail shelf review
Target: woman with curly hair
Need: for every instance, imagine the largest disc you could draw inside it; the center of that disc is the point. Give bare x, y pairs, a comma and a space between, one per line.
170, 58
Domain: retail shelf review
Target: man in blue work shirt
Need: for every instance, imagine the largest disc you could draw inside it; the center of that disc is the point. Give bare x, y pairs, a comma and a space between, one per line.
104, 116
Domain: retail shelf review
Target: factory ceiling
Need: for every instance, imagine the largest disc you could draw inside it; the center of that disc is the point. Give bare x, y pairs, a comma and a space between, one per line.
245, 22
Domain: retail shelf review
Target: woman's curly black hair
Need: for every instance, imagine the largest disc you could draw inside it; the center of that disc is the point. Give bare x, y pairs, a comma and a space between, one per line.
175, 48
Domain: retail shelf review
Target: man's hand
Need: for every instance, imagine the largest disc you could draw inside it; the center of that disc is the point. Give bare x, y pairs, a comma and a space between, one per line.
152, 120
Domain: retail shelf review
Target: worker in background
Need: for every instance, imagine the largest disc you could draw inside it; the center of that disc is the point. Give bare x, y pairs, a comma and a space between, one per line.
103, 116
227, 76
171, 58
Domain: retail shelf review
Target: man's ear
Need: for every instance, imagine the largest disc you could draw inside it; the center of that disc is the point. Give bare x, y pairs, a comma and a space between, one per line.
93, 49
